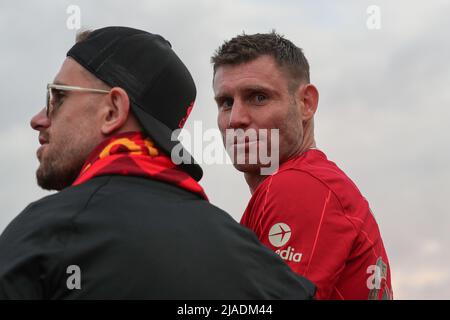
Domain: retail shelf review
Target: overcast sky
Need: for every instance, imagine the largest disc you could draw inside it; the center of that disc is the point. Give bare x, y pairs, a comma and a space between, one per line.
383, 112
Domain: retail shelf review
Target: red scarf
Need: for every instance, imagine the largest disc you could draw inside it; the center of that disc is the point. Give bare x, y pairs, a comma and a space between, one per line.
132, 154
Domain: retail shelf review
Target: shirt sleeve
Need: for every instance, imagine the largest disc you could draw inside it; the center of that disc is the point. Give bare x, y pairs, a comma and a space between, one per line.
300, 218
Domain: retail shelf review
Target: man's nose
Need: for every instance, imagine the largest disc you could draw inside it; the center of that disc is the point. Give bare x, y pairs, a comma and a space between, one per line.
240, 116
40, 120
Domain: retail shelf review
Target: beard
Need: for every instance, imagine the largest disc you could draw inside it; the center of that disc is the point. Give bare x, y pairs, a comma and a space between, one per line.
61, 163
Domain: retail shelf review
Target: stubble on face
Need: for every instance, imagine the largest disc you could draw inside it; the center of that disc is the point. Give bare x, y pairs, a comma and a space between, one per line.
284, 145
61, 161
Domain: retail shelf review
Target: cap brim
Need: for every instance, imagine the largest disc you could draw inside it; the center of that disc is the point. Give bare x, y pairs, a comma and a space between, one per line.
162, 136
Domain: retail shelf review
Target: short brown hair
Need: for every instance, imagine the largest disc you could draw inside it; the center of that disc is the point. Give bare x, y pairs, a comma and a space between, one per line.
82, 35
245, 48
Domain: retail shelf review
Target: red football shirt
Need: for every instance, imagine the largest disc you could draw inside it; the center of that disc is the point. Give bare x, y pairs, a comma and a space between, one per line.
316, 219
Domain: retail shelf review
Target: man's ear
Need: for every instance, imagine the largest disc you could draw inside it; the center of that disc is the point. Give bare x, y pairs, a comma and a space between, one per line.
309, 97
115, 111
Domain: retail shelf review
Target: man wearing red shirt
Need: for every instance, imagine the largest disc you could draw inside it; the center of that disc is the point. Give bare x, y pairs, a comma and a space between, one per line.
308, 210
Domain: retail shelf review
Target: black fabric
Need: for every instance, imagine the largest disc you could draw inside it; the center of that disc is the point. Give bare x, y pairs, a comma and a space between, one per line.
135, 238
159, 85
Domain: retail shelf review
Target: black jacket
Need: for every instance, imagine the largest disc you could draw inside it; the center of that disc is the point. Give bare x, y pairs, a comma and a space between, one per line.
119, 237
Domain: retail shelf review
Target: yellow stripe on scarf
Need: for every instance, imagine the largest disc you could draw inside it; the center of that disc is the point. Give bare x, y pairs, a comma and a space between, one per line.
131, 146
151, 149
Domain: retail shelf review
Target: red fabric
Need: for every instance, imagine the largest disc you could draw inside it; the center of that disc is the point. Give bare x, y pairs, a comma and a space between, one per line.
328, 233
131, 154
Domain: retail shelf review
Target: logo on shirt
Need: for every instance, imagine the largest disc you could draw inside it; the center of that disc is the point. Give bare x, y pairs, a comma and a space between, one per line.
289, 254
279, 234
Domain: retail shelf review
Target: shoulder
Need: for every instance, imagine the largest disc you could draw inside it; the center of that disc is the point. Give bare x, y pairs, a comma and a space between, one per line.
308, 183
292, 195
44, 217
313, 175
291, 184
306, 192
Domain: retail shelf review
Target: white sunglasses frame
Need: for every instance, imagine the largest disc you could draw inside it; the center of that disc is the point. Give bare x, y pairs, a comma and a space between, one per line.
62, 87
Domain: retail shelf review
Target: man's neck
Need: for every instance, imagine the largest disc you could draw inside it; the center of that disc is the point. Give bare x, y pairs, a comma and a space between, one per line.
253, 180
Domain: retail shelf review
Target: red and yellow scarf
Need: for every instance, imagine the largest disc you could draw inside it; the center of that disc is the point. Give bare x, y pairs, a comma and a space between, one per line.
132, 154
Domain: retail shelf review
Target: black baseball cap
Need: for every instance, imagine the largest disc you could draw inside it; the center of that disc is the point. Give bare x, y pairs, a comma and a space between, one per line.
160, 87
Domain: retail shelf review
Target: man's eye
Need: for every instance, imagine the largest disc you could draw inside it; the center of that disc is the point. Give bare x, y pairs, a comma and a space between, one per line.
57, 97
259, 98
226, 103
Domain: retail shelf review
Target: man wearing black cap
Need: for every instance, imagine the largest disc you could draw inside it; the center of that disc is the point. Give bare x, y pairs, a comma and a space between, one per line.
128, 222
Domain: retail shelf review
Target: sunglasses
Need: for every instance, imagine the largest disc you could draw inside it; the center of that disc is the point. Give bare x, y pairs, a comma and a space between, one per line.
54, 96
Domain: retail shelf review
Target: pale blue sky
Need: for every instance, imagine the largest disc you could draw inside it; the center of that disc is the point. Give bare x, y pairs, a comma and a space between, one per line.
383, 111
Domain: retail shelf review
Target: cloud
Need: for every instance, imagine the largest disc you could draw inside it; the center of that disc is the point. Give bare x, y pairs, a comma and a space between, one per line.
382, 116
